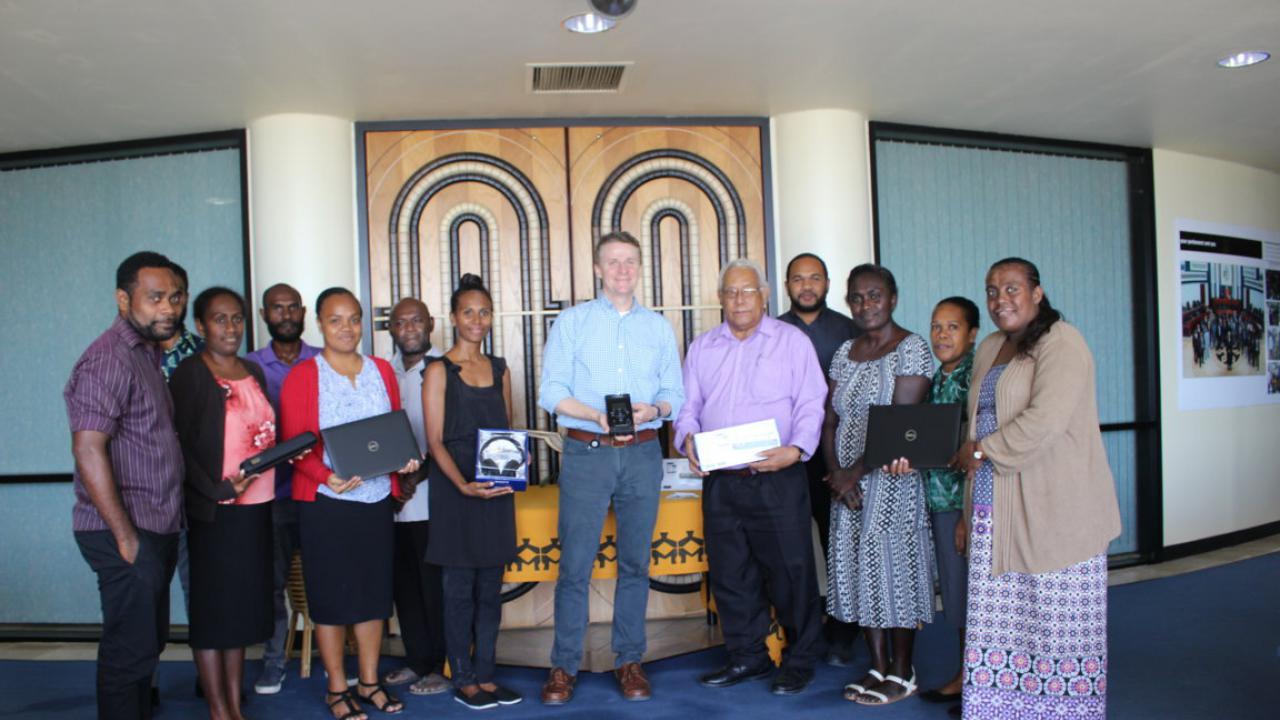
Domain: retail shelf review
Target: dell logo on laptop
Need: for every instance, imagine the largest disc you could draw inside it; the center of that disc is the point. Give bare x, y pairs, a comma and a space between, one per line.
373, 446
910, 435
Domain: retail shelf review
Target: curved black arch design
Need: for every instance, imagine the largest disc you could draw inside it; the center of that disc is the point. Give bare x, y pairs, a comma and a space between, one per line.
455, 264
393, 236
655, 240
597, 208
525, 242
455, 261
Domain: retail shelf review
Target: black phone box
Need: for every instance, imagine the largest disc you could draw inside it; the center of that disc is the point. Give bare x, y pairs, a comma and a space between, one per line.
618, 408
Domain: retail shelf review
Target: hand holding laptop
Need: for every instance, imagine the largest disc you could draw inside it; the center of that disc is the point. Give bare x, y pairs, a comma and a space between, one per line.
340, 486
240, 482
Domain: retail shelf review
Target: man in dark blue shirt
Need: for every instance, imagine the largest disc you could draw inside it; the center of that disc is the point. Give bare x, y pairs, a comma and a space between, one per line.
807, 285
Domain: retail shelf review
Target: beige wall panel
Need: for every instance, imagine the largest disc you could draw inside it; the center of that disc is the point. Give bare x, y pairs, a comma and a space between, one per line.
596, 152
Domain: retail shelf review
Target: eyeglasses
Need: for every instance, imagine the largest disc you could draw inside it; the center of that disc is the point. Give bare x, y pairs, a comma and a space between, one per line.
746, 293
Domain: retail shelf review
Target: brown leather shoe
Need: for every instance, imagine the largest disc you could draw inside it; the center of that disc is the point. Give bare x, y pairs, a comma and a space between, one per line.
634, 685
558, 689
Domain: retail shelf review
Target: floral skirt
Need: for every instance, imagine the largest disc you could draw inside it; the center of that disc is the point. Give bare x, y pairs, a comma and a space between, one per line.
1035, 645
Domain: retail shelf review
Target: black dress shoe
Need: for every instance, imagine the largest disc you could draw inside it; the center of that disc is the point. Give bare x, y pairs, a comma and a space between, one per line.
731, 674
791, 681
840, 654
934, 696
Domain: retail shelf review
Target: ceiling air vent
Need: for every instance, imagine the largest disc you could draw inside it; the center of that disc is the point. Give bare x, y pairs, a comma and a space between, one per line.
576, 77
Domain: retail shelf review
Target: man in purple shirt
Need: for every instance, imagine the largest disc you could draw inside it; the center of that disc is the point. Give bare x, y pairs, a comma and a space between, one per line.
285, 316
756, 517
128, 479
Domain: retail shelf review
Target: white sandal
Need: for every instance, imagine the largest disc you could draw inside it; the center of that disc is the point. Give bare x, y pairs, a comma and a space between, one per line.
857, 689
882, 699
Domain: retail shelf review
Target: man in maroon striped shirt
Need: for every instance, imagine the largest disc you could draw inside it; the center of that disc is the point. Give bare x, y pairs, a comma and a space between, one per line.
128, 479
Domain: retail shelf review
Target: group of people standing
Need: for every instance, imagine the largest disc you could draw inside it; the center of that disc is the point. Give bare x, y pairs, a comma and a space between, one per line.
1227, 334
156, 464
1015, 530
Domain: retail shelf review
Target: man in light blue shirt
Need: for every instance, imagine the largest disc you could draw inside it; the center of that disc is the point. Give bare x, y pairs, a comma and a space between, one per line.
611, 345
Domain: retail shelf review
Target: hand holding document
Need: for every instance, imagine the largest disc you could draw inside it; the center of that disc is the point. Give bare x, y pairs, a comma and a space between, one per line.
736, 445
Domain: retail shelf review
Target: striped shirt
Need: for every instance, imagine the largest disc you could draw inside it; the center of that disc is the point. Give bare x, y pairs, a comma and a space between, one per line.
594, 350
116, 388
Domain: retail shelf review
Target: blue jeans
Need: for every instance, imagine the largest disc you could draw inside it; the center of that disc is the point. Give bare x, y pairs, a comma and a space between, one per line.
590, 478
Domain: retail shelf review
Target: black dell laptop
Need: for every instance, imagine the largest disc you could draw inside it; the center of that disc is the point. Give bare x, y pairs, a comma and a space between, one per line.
927, 435
371, 447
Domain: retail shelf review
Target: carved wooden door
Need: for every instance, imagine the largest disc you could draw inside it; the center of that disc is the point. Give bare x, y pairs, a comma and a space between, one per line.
521, 207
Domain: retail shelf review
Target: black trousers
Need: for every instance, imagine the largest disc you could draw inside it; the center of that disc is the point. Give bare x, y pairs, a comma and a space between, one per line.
419, 600
135, 618
473, 602
760, 553
820, 498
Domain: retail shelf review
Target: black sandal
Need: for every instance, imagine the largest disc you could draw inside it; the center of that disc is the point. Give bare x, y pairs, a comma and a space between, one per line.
381, 706
348, 703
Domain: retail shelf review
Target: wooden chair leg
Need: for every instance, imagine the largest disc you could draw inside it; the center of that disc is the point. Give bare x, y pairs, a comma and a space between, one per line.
306, 648
291, 635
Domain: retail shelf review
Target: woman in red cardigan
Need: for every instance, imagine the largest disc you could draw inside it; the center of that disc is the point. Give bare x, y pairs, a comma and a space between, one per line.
345, 523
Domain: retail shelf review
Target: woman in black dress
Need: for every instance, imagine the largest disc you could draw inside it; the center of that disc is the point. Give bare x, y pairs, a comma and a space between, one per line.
223, 417
473, 531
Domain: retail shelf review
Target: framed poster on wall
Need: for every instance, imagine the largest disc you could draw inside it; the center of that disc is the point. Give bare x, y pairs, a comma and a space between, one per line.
1228, 315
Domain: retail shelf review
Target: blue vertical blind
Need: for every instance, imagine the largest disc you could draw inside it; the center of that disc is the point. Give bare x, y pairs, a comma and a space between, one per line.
945, 213
64, 229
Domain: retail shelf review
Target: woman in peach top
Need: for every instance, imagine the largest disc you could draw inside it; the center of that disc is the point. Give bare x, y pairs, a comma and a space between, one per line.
223, 417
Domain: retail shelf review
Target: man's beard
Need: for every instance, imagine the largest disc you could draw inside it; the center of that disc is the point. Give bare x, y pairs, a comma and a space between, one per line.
820, 303
285, 331
420, 349
150, 333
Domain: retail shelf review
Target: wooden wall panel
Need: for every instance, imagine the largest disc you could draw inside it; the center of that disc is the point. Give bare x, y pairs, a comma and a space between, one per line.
522, 207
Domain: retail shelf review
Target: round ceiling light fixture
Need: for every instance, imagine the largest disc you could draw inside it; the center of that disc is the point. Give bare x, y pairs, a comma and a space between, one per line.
588, 23
1244, 59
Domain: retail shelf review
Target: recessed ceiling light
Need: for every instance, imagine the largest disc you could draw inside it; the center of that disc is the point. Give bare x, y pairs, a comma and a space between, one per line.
1244, 59
588, 23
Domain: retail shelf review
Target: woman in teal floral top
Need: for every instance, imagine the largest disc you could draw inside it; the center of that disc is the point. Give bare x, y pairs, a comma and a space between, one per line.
952, 333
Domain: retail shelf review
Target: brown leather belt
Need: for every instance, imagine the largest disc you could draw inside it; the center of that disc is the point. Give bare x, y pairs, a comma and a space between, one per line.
642, 436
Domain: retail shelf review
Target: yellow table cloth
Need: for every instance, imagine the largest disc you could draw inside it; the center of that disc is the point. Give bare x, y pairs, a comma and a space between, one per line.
678, 545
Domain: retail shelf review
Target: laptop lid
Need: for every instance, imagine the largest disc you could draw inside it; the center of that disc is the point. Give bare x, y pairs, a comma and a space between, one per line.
371, 447
927, 435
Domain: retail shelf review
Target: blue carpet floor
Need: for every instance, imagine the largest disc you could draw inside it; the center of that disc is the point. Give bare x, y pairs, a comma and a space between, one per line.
1201, 645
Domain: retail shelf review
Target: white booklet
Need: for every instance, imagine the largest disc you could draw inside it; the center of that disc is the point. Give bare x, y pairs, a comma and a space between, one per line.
736, 445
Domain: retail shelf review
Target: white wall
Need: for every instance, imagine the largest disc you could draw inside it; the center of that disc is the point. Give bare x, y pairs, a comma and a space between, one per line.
303, 208
822, 197
1220, 466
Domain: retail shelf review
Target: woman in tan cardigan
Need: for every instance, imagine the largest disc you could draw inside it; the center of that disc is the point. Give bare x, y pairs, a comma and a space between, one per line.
1044, 509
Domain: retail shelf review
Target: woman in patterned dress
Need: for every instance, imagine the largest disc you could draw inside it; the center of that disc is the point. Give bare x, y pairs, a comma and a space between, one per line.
1043, 509
880, 562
